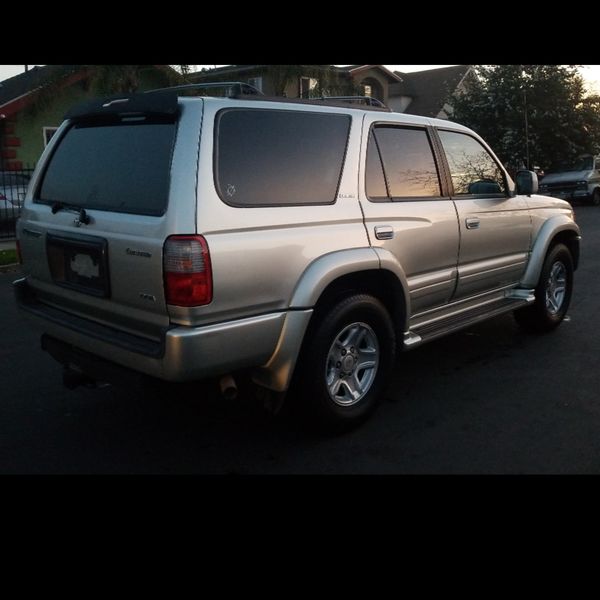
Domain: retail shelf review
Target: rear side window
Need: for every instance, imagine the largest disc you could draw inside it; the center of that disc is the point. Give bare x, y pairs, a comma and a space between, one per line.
473, 170
277, 157
408, 163
121, 167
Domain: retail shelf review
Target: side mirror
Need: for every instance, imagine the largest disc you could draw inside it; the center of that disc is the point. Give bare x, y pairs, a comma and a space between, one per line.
527, 183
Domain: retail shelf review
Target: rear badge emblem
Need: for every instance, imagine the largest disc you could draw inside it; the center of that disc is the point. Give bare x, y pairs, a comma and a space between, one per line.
133, 252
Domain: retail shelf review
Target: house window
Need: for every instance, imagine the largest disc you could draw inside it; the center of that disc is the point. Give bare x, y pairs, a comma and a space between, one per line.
367, 91
48, 133
307, 85
256, 82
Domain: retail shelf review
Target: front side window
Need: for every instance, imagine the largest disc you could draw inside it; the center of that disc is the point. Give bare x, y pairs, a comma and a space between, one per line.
279, 157
408, 164
473, 170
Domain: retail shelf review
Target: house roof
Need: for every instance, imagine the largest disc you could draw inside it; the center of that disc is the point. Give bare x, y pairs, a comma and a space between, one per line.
349, 70
18, 91
357, 69
429, 89
23, 84
239, 69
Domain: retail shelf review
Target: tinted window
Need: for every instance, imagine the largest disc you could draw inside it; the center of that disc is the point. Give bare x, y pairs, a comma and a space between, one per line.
269, 158
408, 162
375, 179
473, 169
122, 168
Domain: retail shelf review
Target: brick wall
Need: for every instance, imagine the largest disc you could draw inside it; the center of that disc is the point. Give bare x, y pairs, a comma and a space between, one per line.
9, 144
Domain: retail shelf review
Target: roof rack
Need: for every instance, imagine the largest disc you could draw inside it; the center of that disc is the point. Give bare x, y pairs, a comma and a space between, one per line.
239, 89
366, 99
236, 88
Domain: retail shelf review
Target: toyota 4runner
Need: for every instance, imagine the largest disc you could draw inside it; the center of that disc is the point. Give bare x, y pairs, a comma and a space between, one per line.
304, 242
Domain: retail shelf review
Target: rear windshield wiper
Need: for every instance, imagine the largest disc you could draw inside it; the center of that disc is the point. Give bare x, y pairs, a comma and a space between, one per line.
83, 216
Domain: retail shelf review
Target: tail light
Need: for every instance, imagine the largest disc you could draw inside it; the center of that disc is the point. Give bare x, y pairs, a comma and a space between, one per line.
187, 271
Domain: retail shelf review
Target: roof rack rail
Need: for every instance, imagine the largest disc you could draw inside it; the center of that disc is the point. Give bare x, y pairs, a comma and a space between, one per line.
366, 99
236, 88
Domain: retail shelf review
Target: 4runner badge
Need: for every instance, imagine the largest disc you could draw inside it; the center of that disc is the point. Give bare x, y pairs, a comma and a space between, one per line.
133, 252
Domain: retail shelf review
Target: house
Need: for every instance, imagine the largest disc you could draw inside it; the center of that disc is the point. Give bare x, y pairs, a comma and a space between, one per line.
427, 93
33, 104
423, 93
304, 81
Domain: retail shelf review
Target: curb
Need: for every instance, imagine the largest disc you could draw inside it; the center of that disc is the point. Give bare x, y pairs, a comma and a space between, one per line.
12, 268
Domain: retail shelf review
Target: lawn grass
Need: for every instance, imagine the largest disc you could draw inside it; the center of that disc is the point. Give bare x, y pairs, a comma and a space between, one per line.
8, 257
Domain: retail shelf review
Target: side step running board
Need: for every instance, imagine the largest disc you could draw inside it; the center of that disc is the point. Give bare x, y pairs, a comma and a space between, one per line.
436, 328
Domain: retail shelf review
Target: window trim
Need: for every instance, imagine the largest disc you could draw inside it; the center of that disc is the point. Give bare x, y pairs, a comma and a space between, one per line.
44, 131
454, 196
217, 122
440, 173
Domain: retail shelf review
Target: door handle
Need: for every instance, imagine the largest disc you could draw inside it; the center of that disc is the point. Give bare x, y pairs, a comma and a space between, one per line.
384, 232
472, 223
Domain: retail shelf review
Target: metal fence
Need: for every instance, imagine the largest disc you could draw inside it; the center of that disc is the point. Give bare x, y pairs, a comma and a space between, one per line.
13, 186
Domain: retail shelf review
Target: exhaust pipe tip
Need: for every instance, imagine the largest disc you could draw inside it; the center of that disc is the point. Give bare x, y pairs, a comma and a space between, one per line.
228, 387
73, 379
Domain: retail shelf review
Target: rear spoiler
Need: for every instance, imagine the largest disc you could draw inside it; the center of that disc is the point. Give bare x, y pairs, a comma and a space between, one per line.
161, 105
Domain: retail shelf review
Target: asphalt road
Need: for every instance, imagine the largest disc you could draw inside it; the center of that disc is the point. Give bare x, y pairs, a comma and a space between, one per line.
489, 399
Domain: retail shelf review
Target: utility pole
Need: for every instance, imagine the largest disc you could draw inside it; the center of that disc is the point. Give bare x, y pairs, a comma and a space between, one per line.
524, 74
26, 68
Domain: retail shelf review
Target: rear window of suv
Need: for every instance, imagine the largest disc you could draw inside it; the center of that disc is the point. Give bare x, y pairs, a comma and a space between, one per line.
122, 168
279, 157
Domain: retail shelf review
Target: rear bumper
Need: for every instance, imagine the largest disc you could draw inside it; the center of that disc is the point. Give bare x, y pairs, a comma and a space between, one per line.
181, 354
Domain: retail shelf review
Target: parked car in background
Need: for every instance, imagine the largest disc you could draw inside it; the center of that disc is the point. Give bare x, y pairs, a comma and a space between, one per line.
579, 181
13, 187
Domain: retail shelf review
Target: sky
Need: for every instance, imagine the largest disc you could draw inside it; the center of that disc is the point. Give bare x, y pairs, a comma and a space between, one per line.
591, 73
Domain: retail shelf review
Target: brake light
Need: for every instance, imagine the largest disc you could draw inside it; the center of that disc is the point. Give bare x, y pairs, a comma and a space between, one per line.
187, 271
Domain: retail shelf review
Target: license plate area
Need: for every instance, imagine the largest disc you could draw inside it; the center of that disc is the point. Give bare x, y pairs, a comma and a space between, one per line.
79, 263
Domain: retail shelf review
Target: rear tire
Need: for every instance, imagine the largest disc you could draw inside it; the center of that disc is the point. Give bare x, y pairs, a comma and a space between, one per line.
345, 364
552, 294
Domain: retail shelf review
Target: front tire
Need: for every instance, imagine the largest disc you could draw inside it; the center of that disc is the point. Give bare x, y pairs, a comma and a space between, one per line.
552, 294
345, 363
596, 197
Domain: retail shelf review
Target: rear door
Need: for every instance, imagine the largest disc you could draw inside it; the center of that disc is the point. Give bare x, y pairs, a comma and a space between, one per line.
407, 209
101, 207
495, 227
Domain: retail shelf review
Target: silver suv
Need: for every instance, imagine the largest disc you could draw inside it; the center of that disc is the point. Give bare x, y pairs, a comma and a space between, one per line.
305, 242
